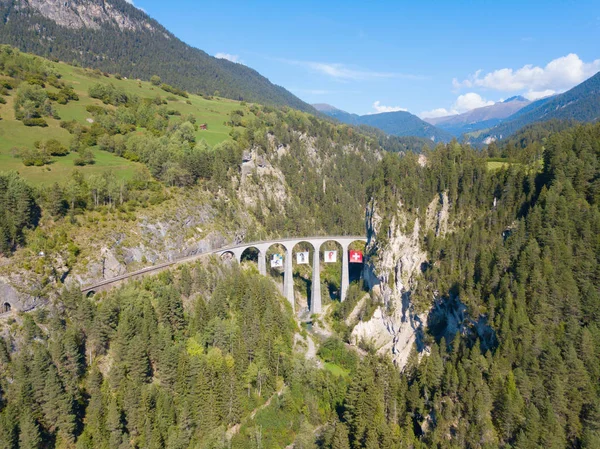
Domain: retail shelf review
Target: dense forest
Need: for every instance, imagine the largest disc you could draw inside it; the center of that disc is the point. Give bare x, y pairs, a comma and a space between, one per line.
177, 360
140, 51
522, 261
210, 355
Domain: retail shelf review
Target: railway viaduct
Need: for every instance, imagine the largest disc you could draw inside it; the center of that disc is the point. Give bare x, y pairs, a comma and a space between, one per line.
236, 251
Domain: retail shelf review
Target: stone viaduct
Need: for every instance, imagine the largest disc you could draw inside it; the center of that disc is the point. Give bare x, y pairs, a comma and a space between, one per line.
236, 251
288, 279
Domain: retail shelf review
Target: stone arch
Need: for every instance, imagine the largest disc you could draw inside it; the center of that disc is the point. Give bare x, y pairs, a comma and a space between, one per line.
250, 253
331, 271
6, 307
227, 255
302, 246
355, 270
90, 294
303, 269
269, 252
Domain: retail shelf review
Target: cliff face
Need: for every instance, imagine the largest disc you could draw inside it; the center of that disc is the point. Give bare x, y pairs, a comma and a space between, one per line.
76, 14
395, 261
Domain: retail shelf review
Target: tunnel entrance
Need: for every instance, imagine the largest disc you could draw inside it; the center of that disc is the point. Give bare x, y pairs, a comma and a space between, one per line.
6, 307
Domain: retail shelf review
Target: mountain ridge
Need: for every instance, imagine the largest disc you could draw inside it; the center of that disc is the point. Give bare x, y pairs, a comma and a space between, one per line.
398, 123
479, 118
580, 103
116, 37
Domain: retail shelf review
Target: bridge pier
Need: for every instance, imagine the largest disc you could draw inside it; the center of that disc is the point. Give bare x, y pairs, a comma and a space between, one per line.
288, 276
315, 304
262, 258
345, 271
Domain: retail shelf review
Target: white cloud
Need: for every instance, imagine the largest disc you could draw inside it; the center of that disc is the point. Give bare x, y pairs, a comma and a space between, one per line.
379, 108
322, 91
340, 71
536, 95
559, 74
343, 72
470, 101
229, 57
463, 103
438, 112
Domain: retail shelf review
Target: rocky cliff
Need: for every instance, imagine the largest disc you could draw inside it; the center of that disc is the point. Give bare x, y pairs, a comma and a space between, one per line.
396, 258
76, 14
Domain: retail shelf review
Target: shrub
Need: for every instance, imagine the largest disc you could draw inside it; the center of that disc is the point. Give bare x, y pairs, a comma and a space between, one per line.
55, 148
35, 122
36, 157
86, 157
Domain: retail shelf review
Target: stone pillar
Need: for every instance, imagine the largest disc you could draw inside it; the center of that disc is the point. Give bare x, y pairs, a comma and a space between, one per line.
237, 252
345, 272
262, 261
288, 277
315, 295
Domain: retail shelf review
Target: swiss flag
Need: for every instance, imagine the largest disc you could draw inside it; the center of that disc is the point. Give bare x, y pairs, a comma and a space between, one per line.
356, 256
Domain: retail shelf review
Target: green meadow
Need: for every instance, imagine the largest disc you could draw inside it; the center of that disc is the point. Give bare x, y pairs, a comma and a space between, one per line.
14, 134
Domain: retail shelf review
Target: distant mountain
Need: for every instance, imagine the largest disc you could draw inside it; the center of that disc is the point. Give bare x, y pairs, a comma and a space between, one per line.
516, 98
398, 123
342, 116
116, 37
581, 103
480, 118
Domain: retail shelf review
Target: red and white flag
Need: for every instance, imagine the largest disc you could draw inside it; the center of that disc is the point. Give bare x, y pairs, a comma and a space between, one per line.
356, 256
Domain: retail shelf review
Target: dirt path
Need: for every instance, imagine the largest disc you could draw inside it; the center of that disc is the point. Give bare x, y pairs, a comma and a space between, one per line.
233, 430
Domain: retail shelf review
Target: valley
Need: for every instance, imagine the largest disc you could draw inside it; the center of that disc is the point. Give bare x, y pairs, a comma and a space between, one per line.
192, 256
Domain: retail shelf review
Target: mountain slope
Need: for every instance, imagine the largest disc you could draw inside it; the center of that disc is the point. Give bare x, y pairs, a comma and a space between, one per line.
581, 103
338, 114
479, 118
116, 37
398, 123
402, 123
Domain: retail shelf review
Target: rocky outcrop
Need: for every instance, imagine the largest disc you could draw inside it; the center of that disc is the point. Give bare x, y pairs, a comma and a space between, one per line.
89, 14
180, 230
260, 183
396, 259
15, 299
438, 212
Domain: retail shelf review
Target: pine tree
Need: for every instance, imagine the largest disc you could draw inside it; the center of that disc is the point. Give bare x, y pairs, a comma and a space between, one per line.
29, 435
340, 437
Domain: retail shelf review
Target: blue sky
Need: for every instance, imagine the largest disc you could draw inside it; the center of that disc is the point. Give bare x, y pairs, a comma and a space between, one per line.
431, 58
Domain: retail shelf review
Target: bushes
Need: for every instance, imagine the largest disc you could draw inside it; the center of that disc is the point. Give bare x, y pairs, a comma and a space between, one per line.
109, 94
63, 96
36, 157
334, 350
32, 103
53, 147
86, 157
35, 122
174, 90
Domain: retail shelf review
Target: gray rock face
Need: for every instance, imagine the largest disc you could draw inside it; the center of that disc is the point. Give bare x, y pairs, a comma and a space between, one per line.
77, 14
394, 327
154, 240
17, 301
392, 272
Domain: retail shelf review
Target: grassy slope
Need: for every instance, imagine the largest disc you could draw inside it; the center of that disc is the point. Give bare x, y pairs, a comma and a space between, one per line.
14, 134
